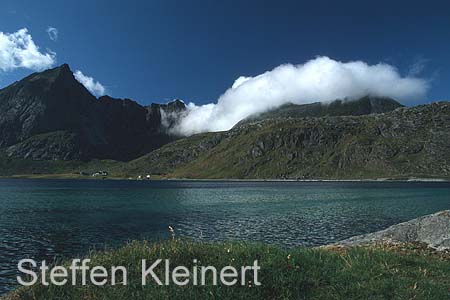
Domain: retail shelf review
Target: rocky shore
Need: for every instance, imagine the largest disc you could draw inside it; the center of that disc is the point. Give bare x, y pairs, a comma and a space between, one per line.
432, 230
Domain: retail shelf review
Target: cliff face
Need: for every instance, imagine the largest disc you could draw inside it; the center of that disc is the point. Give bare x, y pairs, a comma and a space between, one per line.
43, 102
50, 115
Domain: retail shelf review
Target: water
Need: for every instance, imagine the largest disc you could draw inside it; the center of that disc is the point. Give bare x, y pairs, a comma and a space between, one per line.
44, 219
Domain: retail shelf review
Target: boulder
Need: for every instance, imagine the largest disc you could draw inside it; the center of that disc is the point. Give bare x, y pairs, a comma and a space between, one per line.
432, 230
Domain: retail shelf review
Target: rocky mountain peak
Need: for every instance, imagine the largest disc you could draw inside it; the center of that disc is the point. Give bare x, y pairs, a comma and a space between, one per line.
341, 107
51, 75
49, 110
176, 106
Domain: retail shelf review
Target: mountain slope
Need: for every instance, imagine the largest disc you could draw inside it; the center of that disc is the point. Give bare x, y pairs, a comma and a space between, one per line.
50, 115
357, 107
43, 102
402, 143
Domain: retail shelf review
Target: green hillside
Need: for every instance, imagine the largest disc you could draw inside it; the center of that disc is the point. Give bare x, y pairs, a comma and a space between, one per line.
408, 142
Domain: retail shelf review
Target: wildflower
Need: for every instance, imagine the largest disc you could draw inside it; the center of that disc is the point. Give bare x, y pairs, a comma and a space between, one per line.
172, 231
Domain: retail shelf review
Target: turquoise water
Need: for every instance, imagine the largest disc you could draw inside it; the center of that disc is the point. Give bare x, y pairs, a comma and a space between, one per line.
44, 219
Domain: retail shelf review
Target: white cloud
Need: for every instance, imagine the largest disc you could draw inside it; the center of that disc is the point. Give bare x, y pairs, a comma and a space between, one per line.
18, 50
93, 86
320, 79
52, 33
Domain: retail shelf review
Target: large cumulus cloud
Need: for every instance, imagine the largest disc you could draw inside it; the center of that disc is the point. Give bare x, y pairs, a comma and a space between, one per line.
18, 50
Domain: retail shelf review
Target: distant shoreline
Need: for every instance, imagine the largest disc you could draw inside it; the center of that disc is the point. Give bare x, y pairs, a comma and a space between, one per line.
78, 177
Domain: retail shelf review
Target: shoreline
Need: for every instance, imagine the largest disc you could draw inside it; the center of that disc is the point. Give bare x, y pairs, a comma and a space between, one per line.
112, 178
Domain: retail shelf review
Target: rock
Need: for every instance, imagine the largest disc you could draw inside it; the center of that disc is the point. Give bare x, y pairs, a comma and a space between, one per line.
356, 107
432, 230
51, 102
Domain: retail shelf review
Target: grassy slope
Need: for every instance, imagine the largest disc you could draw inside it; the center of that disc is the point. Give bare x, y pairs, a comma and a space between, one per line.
402, 144
167, 158
358, 273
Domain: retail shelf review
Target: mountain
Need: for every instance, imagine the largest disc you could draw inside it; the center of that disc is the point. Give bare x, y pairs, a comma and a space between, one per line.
355, 107
49, 123
50, 115
406, 142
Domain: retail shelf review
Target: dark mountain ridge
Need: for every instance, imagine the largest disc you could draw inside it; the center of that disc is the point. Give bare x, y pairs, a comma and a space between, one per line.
50, 115
347, 107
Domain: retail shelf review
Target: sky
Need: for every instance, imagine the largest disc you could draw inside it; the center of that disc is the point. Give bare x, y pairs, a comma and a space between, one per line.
155, 51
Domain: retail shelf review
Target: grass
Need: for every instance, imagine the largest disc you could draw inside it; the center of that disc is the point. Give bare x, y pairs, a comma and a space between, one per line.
356, 273
12, 166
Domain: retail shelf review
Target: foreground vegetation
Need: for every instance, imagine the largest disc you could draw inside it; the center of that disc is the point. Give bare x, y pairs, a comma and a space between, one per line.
358, 273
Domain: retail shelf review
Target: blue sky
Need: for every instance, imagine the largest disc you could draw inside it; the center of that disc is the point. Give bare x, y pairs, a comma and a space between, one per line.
154, 51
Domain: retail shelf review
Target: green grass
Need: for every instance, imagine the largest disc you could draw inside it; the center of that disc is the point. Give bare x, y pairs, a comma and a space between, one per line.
358, 273
19, 167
